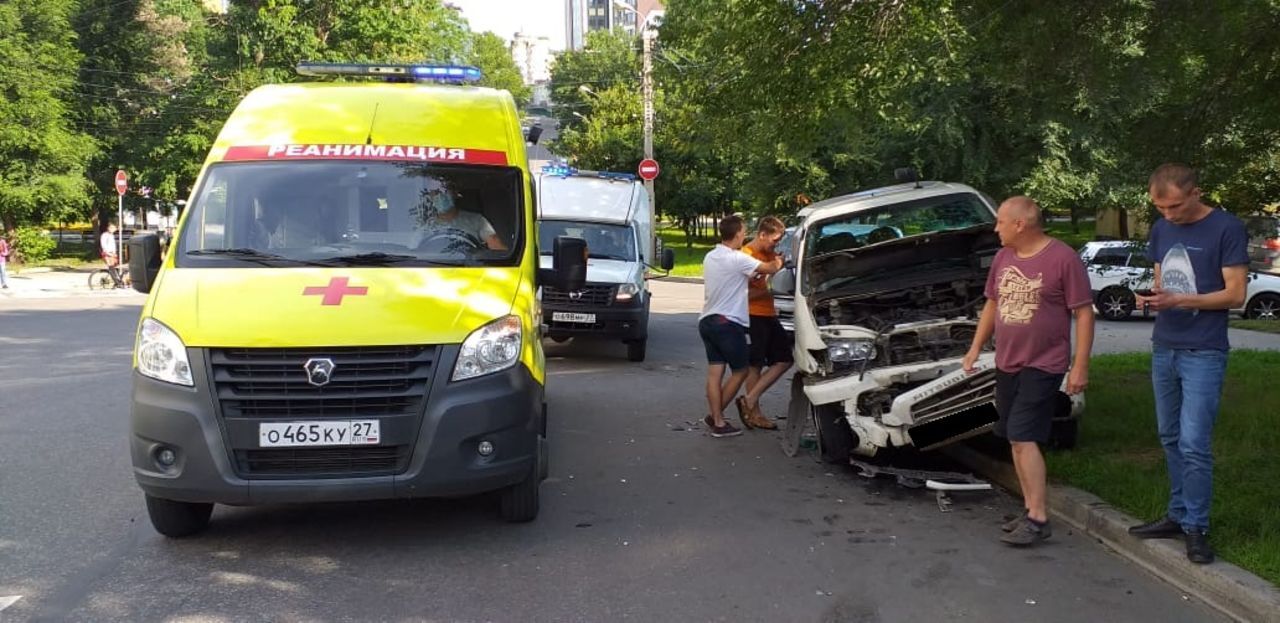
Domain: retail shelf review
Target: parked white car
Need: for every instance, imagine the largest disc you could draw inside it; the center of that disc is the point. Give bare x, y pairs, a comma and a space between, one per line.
1119, 267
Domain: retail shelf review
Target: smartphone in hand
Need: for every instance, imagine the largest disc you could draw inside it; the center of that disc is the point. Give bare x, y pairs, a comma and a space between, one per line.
1145, 292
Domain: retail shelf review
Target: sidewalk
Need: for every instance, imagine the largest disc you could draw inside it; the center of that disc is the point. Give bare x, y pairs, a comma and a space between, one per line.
38, 283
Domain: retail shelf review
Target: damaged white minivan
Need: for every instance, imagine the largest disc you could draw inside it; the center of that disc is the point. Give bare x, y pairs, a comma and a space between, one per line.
888, 286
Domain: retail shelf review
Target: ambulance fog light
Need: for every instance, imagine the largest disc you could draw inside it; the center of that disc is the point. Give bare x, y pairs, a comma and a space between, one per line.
161, 355
485, 448
166, 457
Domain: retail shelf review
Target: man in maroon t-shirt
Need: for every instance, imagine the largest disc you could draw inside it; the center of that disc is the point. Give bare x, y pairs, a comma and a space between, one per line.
1036, 285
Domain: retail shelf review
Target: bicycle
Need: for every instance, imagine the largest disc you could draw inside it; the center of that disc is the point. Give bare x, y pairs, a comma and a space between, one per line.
101, 280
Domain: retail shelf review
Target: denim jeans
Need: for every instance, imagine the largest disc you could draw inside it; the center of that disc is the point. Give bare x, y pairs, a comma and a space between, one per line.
4, 275
1188, 388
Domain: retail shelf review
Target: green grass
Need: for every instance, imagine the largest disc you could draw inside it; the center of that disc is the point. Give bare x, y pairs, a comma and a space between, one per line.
688, 261
1119, 457
1062, 231
1265, 326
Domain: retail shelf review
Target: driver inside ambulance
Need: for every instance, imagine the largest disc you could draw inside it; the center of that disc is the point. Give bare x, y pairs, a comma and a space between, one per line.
444, 215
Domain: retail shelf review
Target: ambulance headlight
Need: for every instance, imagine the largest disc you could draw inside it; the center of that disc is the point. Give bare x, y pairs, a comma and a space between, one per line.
491, 348
161, 355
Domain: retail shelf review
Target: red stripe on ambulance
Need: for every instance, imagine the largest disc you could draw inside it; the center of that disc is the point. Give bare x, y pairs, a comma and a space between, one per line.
397, 153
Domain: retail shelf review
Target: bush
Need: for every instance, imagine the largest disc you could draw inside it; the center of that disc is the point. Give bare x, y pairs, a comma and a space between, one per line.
31, 245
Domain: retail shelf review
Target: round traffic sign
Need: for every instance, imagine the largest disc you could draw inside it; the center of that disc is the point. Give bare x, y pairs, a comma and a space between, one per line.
122, 182
648, 169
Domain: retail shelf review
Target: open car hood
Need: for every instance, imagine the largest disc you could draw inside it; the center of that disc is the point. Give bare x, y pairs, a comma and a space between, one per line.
901, 259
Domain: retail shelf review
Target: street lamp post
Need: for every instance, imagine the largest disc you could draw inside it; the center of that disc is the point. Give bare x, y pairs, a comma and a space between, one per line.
647, 35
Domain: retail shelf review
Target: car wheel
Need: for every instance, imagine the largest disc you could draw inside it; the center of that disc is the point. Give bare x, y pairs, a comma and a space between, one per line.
560, 339
1265, 306
178, 519
519, 503
1116, 303
635, 350
835, 438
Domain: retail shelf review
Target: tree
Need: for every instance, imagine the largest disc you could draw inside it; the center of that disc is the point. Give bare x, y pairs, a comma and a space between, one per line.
42, 154
607, 59
492, 56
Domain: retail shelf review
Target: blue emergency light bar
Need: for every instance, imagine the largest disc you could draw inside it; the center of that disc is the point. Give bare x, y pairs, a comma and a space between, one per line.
564, 170
457, 74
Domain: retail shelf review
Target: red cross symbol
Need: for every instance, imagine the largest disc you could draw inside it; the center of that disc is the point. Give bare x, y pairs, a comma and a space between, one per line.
334, 292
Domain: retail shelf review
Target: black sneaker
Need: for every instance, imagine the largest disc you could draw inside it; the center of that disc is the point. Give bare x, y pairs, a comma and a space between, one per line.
1013, 524
728, 430
1198, 549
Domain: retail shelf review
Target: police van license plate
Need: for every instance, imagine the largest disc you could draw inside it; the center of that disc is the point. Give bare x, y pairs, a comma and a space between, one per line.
334, 433
570, 317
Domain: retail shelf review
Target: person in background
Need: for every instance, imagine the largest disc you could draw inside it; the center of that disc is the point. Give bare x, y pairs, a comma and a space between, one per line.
5, 251
107, 248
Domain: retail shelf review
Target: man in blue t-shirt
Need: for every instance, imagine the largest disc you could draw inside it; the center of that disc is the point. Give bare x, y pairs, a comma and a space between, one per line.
1201, 265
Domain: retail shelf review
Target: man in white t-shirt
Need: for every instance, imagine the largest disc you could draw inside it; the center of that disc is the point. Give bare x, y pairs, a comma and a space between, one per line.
724, 321
107, 248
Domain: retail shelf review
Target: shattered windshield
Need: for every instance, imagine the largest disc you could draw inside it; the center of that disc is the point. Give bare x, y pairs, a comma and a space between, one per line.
354, 213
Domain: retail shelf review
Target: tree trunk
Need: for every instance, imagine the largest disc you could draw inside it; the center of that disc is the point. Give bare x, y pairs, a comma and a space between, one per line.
1124, 223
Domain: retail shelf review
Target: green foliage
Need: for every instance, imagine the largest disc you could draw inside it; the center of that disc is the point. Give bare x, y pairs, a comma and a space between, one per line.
490, 54
42, 154
607, 60
31, 245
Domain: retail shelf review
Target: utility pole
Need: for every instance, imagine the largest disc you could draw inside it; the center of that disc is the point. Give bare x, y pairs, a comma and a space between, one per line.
646, 36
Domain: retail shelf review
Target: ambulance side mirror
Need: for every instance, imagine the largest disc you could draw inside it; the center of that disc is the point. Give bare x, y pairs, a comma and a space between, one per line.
534, 133
784, 282
568, 271
668, 259
144, 261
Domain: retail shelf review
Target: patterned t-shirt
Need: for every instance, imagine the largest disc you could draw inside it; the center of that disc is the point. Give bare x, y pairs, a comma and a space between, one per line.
1034, 298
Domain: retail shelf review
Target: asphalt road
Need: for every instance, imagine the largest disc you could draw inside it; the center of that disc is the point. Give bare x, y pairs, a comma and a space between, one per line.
643, 519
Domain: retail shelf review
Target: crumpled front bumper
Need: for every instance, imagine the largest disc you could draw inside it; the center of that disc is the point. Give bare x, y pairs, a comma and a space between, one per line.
945, 406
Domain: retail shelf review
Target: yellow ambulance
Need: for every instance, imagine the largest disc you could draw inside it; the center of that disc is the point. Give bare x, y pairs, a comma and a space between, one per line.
349, 308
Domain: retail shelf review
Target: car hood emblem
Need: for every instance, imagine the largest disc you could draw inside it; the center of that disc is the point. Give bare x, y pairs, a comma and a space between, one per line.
319, 370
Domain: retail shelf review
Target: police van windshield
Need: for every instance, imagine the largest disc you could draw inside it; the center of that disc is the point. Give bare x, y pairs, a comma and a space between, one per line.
354, 213
604, 242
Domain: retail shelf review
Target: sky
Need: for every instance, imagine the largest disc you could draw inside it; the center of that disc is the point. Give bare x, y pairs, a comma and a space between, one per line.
505, 17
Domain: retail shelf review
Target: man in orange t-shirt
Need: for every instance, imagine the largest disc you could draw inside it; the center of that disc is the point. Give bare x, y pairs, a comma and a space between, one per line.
770, 344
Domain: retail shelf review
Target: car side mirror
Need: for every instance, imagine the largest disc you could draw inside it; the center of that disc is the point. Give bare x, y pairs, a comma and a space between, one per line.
784, 282
668, 259
534, 133
144, 261
568, 270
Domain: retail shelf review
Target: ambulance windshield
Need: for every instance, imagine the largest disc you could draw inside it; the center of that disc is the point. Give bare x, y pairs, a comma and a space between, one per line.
354, 213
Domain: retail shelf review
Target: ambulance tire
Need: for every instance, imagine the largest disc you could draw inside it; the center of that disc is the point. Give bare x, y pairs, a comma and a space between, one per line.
636, 349
519, 502
836, 440
178, 519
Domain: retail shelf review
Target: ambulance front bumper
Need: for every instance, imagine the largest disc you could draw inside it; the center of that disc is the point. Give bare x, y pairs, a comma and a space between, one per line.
434, 452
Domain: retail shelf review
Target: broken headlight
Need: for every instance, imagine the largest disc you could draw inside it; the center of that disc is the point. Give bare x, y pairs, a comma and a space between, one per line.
851, 350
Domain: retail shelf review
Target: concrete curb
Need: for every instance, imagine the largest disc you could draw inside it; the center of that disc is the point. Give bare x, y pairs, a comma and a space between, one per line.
1233, 591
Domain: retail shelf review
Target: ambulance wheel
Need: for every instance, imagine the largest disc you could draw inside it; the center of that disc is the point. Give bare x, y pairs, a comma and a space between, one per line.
635, 349
835, 438
519, 502
178, 519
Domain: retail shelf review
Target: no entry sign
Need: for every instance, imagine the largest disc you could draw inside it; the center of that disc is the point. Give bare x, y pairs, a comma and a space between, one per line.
648, 169
122, 182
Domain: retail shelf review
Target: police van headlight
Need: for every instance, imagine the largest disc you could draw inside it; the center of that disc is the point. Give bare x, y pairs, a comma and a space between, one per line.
161, 355
849, 351
491, 348
627, 292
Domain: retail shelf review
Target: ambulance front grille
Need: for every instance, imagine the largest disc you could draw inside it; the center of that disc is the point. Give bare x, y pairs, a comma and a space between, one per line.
366, 381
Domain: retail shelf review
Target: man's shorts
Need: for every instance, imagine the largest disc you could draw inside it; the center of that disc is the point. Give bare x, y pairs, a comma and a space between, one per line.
770, 343
1026, 401
725, 341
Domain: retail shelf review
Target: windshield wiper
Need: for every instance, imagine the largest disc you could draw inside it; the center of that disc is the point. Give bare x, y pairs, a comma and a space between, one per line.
602, 256
251, 255
375, 258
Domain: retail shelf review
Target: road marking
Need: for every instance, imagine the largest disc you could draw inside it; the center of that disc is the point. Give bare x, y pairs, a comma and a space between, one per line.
5, 602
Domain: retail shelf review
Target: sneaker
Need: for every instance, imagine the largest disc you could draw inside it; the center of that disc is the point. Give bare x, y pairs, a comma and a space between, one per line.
723, 431
1028, 533
744, 413
1012, 524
